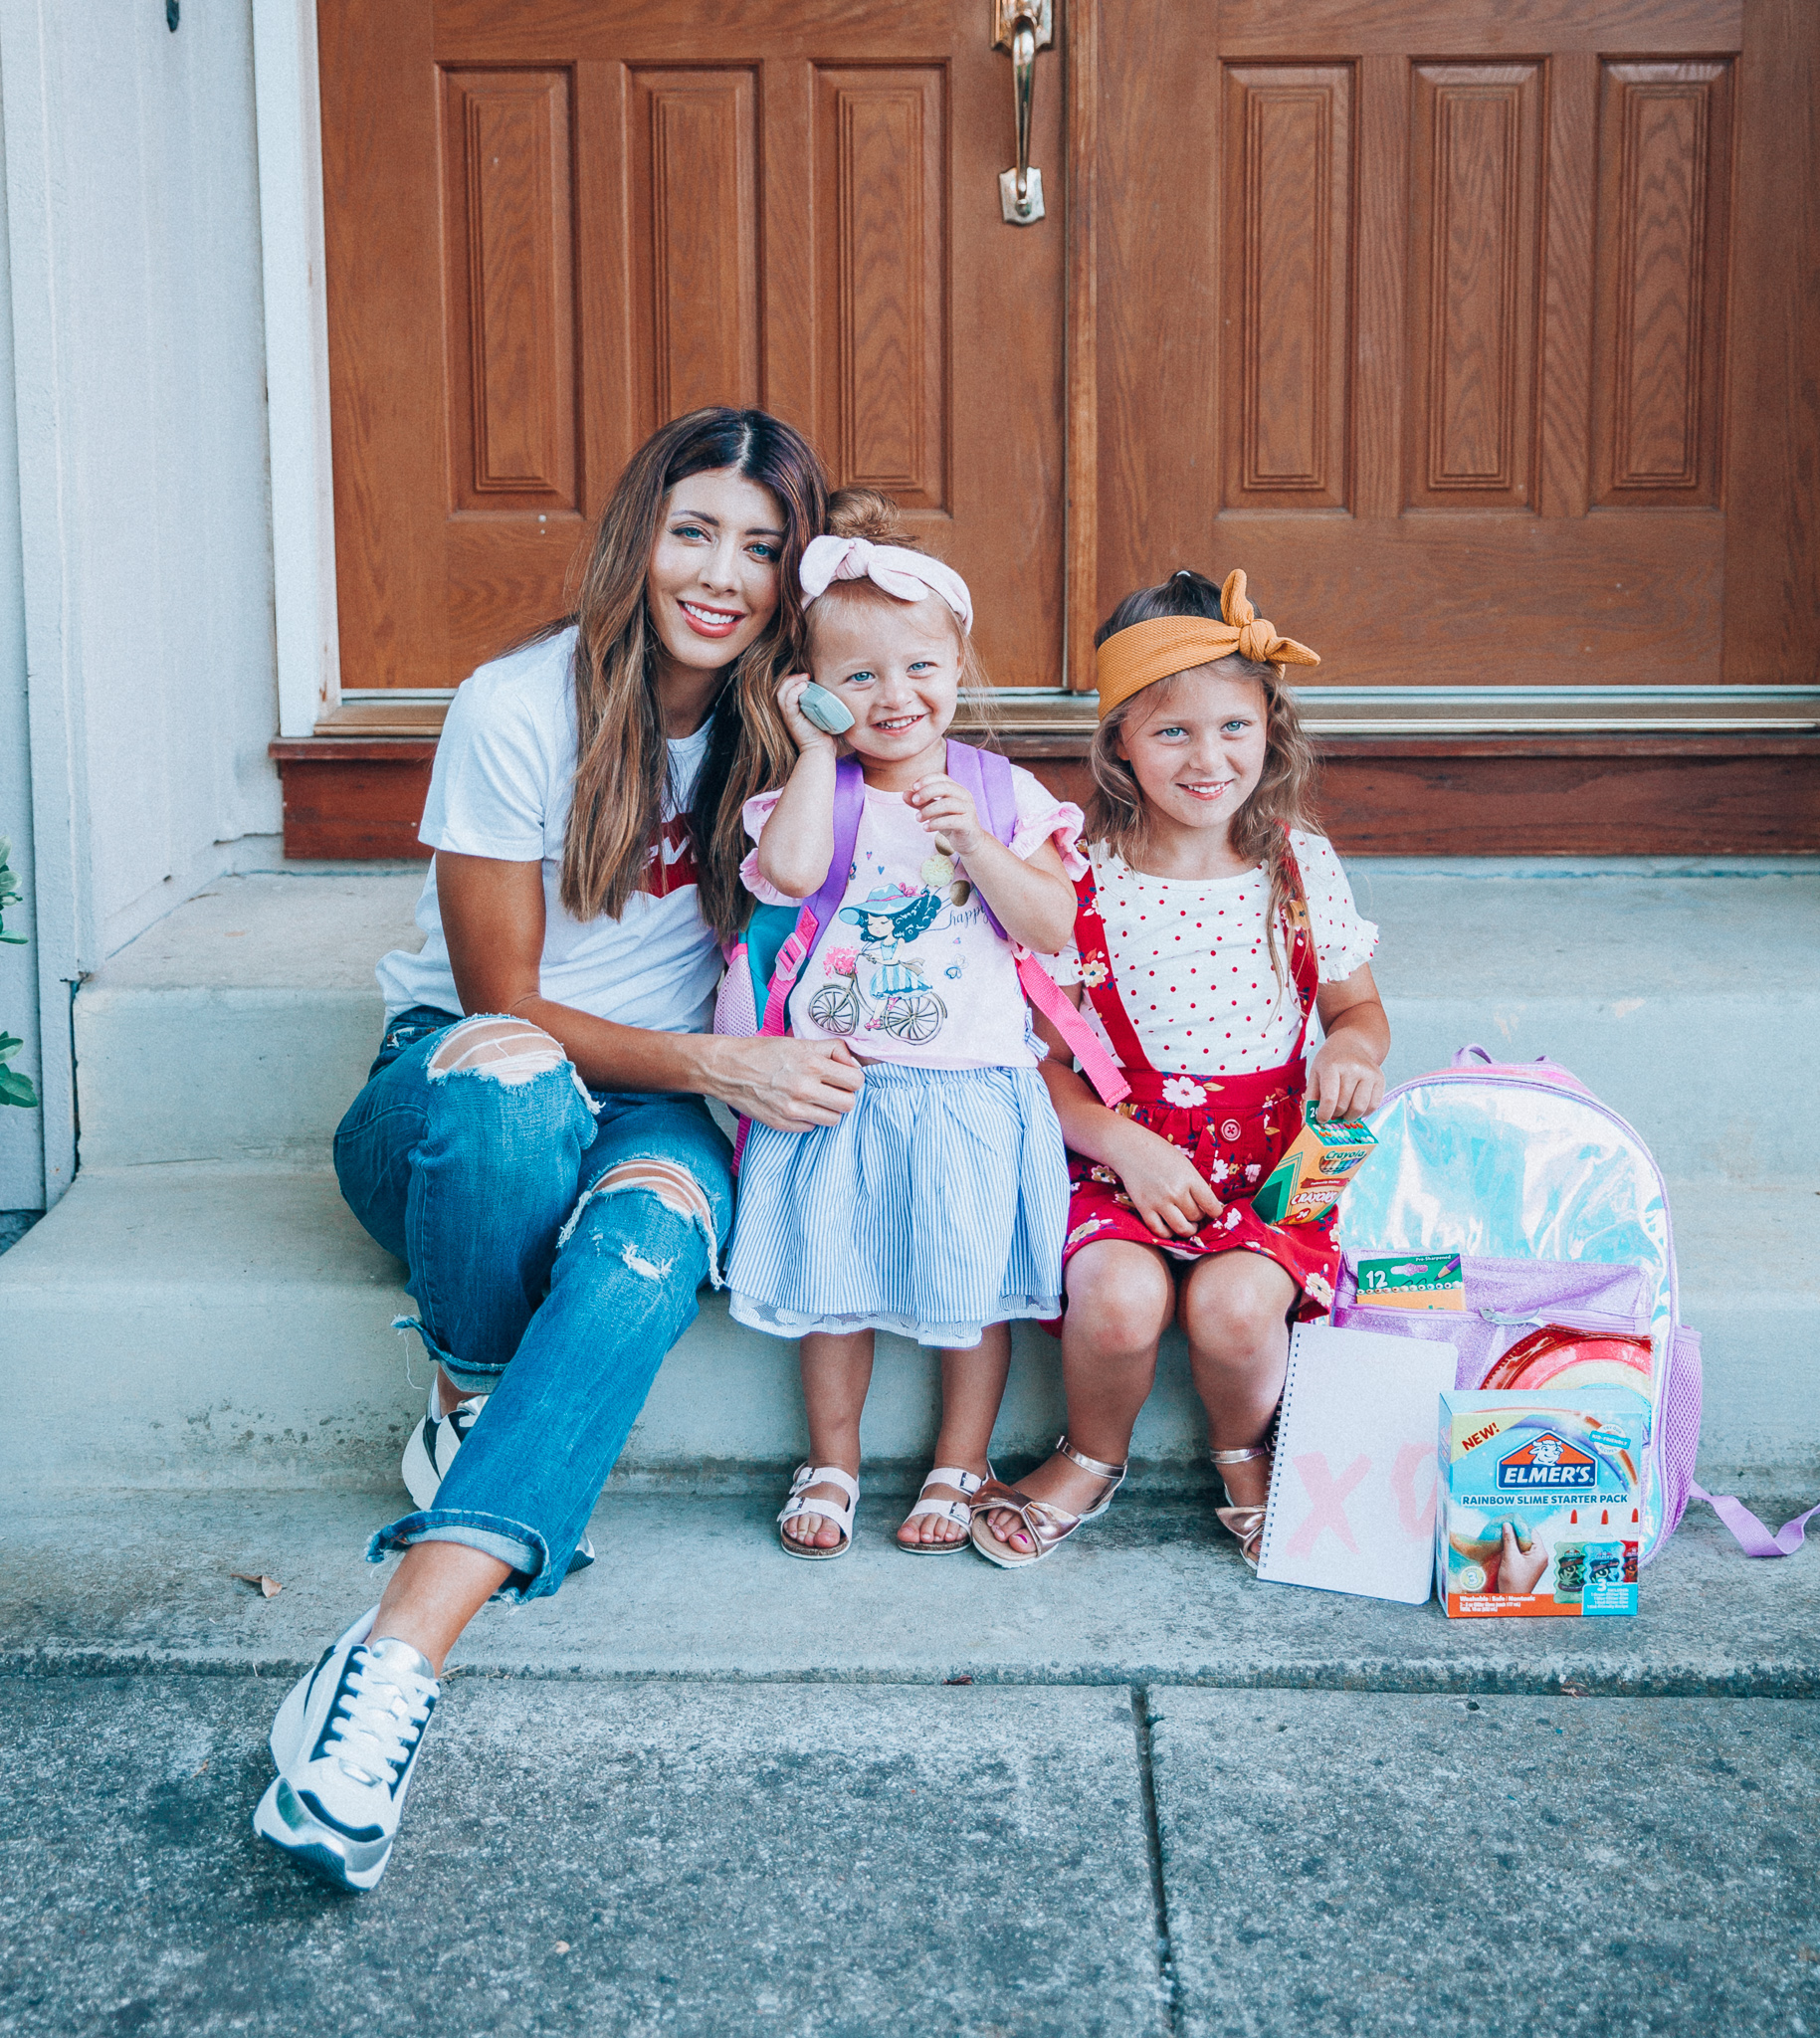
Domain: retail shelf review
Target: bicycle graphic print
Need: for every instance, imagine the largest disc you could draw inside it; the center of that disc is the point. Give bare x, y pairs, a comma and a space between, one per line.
896, 998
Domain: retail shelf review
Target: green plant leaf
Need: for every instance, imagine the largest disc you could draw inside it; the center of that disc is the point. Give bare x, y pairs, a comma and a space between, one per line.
17, 1089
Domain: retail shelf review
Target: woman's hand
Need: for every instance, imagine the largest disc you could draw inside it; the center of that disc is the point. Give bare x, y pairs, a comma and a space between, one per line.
1167, 1189
944, 806
803, 733
788, 1085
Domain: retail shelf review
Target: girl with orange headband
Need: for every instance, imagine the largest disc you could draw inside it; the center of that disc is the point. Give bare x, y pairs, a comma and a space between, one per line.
1210, 926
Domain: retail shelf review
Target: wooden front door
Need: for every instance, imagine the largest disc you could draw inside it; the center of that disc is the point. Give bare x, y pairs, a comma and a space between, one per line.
1473, 339
1485, 334
551, 227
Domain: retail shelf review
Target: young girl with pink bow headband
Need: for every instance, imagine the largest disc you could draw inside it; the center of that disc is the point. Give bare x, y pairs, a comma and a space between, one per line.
937, 1206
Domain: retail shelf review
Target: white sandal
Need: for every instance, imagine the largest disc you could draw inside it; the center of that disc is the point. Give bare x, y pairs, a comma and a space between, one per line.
804, 1477
957, 1512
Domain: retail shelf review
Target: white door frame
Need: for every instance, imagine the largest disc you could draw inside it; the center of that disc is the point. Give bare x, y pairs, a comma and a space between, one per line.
288, 99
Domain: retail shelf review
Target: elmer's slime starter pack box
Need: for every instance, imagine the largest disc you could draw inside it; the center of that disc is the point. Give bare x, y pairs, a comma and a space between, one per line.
1566, 1472
1314, 1171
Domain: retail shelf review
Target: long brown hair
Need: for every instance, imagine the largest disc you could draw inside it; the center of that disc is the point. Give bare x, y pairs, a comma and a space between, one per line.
1280, 801
622, 759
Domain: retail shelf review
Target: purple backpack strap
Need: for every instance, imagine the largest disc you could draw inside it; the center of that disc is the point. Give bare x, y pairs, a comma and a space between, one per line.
849, 805
986, 776
1753, 1538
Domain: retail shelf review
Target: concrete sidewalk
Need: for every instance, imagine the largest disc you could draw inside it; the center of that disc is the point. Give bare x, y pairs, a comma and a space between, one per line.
814, 1861
706, 1791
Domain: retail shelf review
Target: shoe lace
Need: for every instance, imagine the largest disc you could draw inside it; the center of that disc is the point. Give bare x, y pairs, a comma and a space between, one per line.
383, 1718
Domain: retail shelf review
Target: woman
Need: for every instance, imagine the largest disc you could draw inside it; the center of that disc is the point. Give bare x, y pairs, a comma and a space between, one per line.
547, 1166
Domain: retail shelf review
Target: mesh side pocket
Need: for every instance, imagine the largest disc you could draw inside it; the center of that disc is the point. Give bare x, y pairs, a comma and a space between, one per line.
1680, 1430
735, 1012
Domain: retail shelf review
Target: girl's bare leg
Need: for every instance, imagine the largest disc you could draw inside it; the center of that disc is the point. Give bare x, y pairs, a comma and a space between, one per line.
434, 1593
1235, 1310
1119, 1298
972, 1386
836, 1374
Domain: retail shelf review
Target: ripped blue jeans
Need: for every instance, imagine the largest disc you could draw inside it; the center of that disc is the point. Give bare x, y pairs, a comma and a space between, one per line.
555, 1241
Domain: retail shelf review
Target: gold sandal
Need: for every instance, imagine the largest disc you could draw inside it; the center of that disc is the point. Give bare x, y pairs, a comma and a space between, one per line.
1246, 1523
1047, 1525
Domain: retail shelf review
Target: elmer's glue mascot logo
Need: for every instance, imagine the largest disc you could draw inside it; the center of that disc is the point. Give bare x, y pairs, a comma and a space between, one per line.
1547, 1464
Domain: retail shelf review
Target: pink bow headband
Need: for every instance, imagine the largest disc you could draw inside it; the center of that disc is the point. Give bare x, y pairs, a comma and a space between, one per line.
908, 575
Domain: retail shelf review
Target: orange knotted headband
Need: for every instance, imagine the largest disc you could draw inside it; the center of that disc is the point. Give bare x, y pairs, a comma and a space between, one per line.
1144, 653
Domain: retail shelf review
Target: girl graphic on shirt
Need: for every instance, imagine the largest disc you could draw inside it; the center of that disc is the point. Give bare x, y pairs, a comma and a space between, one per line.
1210, 927
936, 1207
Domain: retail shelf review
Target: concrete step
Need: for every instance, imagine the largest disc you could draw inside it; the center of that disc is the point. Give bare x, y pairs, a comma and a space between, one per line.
1154, 1594
239, 1028
185, 1325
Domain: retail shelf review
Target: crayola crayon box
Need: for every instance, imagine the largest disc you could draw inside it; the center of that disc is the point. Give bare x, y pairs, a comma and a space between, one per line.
1314, 1169
1564, 1474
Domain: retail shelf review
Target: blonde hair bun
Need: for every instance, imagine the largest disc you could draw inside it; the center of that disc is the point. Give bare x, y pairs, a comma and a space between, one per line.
871, 515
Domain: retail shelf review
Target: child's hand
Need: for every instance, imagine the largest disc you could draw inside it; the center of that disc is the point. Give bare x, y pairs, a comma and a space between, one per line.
946, 808
1343, 1082
1518, 1569
803, 733
1167, 1189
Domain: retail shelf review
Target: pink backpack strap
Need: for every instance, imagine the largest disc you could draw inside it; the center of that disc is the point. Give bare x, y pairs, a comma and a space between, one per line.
849, 805
1083, 1042
986, 776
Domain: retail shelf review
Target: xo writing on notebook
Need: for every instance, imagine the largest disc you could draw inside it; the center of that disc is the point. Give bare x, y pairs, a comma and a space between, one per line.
1353, 1487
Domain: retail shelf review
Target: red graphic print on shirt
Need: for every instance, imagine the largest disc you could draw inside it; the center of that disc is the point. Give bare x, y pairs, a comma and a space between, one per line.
673, 859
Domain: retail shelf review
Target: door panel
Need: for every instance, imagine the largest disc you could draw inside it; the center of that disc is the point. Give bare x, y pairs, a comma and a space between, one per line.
1288, 224
1664, 182
551, 227
1450, 317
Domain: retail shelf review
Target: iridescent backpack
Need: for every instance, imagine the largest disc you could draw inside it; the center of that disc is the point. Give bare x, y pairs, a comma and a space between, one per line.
1560, 1217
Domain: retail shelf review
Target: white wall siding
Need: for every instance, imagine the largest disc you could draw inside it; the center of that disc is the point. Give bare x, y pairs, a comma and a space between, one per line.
21, 1131
150, 435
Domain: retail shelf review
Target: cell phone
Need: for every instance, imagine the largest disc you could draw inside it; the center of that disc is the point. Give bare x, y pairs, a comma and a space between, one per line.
828, 714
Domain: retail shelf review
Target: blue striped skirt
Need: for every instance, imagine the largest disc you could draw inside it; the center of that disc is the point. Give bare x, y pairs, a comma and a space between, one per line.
937, 1206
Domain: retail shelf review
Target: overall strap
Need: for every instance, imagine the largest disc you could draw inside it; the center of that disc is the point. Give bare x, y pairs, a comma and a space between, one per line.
1097, 975
848, 806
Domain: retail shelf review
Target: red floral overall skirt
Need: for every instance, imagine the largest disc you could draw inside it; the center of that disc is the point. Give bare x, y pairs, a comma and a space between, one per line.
1233, 1127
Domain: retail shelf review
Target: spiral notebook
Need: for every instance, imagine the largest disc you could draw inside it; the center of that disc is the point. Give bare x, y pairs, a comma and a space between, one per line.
1353, 1490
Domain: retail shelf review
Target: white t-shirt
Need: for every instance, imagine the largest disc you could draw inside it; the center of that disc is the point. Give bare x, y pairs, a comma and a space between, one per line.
1193, 966
501, 786
909, 969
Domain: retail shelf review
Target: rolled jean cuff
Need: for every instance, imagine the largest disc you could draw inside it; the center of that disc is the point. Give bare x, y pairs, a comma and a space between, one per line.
496, 1536
472, 1379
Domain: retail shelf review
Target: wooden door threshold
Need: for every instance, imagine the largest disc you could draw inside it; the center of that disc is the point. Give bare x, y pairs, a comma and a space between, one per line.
1405, 770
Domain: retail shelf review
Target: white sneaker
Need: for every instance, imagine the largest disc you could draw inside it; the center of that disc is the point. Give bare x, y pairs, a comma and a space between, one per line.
432, 1445
430, 1451
345, 1743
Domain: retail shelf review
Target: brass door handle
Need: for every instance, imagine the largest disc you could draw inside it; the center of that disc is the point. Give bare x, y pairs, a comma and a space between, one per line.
1023, 27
